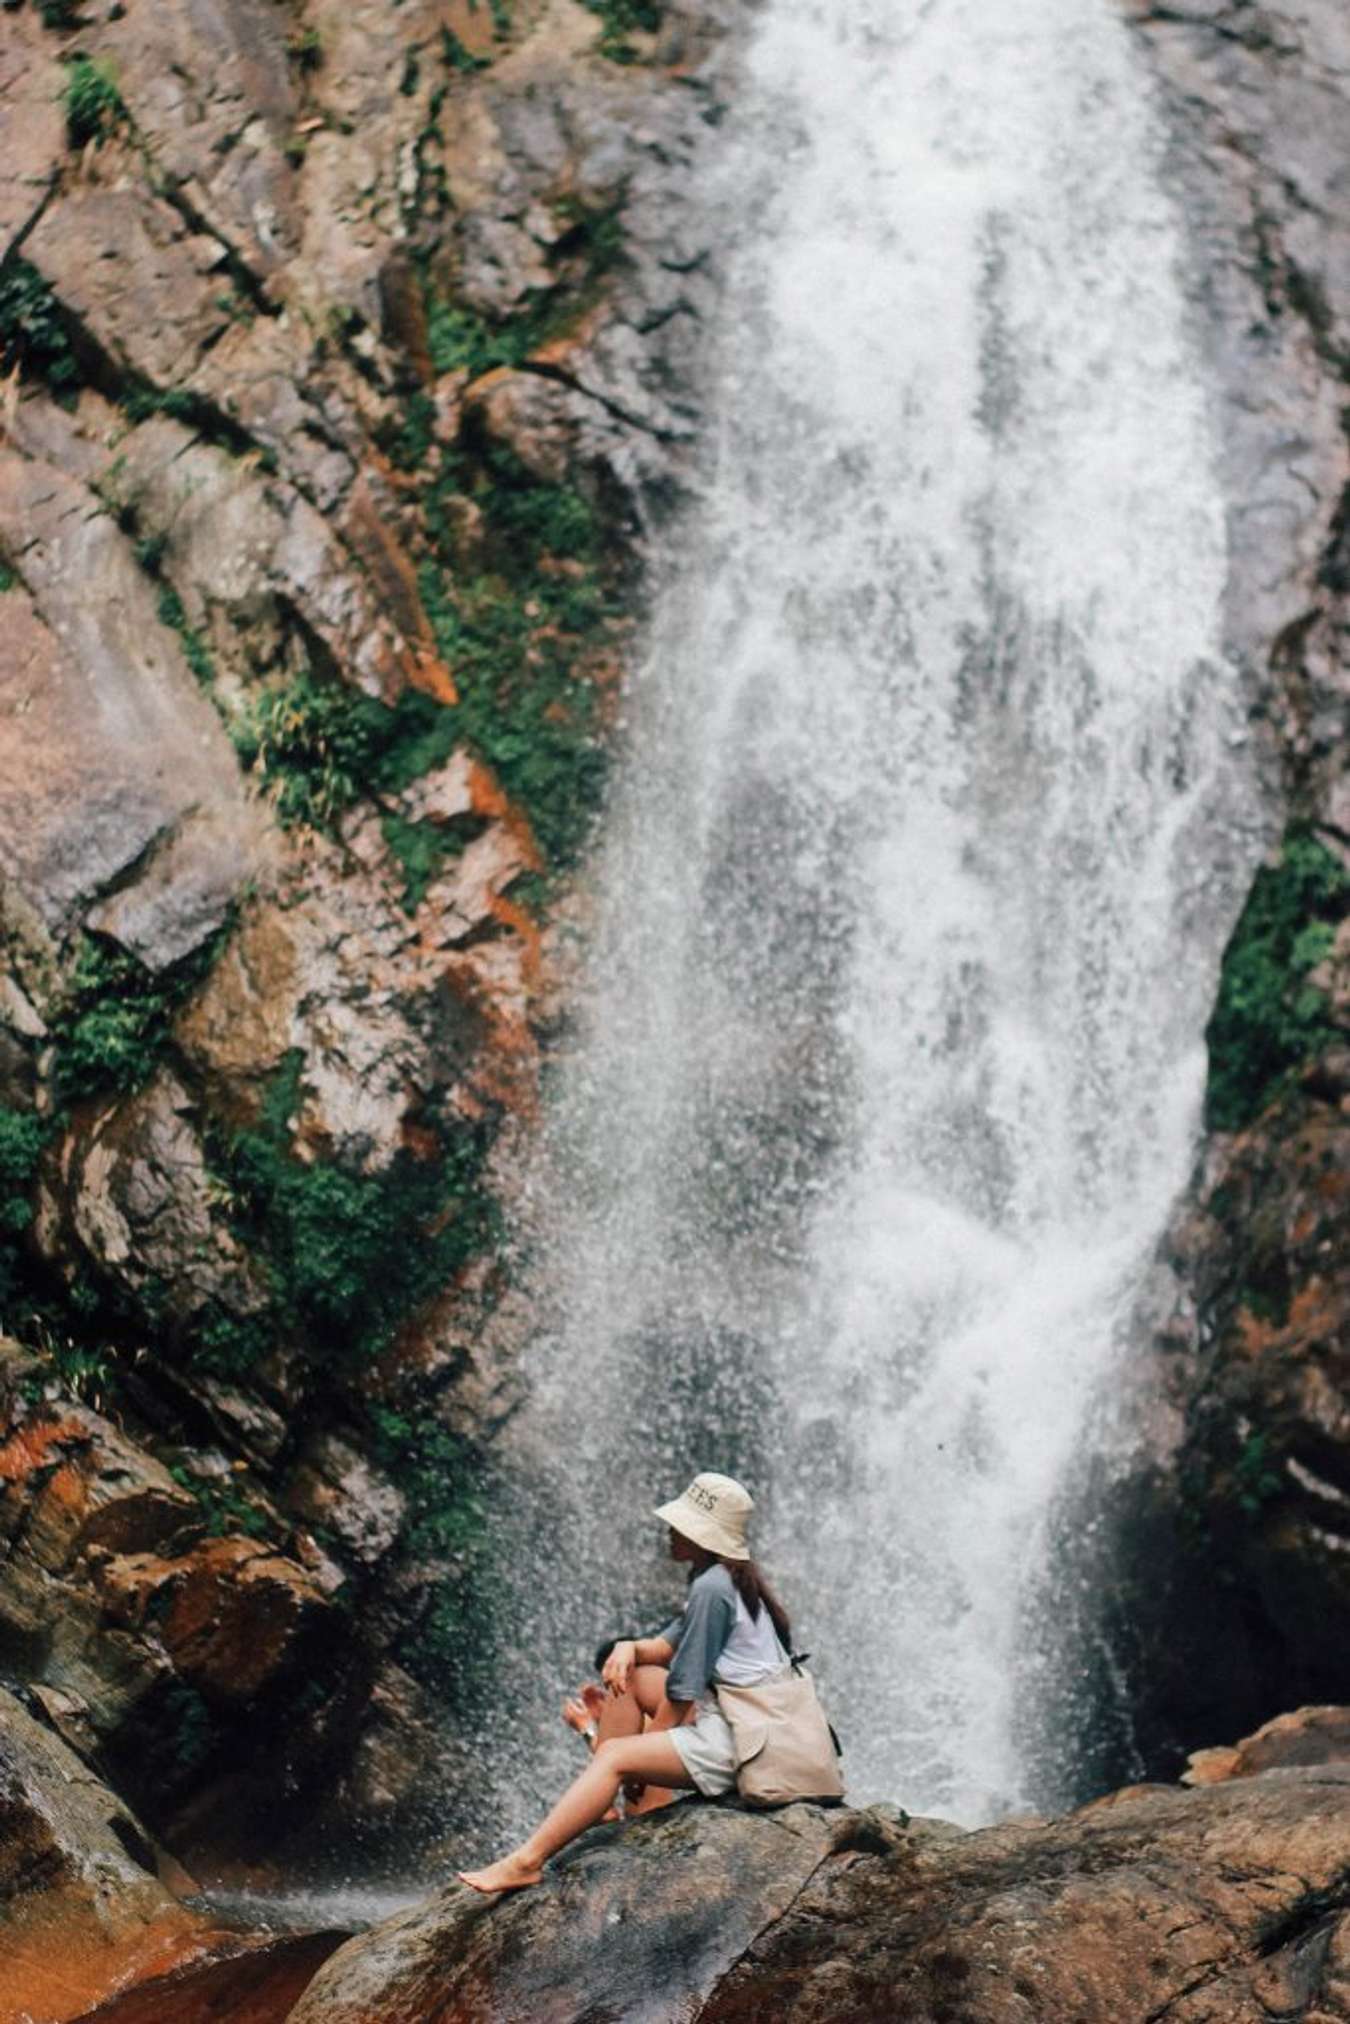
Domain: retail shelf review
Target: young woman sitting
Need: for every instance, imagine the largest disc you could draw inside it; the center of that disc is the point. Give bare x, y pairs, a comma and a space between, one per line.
660, 1726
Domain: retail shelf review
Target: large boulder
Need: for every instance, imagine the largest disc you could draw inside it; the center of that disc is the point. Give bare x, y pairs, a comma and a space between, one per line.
1227, 1905
90, 1923
82, 1909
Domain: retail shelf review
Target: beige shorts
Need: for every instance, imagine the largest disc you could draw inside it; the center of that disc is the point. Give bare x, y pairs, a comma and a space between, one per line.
708, 1750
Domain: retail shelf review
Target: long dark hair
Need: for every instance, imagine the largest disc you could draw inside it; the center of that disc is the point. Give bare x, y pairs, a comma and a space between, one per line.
753, 1590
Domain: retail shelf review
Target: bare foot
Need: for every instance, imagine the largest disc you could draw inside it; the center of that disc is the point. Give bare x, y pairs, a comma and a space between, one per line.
511, 1873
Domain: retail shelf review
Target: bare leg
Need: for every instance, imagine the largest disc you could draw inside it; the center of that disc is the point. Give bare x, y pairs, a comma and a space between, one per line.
652, 1758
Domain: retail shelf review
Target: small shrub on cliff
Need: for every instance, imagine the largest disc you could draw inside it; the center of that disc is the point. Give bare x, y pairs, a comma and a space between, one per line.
32, 333
316, 744
619, 19
114, 1018
1269, 1019
94, 105
22, 1136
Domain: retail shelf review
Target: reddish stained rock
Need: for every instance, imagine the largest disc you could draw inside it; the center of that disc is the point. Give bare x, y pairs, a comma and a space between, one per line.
82, 1911
233, 1617
241, 1981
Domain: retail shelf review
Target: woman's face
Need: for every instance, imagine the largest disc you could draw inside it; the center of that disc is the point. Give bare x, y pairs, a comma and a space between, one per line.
680, 1547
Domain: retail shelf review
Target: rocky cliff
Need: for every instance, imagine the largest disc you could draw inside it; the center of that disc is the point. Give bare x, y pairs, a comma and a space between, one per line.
346, 355
1226, 1568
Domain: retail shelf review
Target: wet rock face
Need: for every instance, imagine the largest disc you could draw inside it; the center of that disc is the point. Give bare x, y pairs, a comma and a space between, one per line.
1228, 1564
342, 348
1228, 1903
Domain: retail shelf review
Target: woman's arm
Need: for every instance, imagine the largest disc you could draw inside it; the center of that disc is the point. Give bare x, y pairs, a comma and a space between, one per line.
634, 1651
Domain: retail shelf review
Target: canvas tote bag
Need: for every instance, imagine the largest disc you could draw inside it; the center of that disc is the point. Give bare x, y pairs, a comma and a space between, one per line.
784, 1745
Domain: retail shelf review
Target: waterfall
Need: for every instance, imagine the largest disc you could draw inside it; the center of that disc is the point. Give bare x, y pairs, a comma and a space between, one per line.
932, 818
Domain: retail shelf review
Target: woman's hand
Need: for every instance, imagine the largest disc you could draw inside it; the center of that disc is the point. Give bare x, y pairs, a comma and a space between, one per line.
618, 1670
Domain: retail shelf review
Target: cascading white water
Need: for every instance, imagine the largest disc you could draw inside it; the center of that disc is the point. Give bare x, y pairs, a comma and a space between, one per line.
932, 822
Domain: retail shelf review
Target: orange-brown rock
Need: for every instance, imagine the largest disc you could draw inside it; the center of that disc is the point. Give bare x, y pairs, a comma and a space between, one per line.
1307, 1736
82, 1911
235, 1980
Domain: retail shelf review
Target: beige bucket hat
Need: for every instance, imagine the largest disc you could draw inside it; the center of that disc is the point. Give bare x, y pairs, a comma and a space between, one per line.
712, 1512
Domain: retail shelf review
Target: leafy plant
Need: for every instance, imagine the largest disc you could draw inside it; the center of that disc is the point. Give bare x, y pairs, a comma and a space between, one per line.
94, 106
316, 744
1268, 1019
113, 1021
32, 332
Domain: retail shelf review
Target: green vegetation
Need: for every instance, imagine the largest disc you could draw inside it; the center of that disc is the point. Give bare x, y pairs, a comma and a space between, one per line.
1256, 1474
59, 13
195, 650
349, 1254
621, 18
22, 1137
512, 634
113, 1022
318, 746
32, 333
94, 105
304, 46
1269, 1019
139, 403
462, 338
436, 1471
8, 580
226, 1506
422, 849
456, 57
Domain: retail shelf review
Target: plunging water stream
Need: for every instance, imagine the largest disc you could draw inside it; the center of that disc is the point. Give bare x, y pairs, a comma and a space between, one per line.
931, 824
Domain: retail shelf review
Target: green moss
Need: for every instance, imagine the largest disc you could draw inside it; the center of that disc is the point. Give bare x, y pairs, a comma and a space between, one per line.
94, 105
139, 403
8, 580
1269, 1020
33, 334
409, 445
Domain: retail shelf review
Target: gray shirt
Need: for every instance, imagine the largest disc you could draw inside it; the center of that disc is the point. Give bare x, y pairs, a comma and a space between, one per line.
714, 1615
